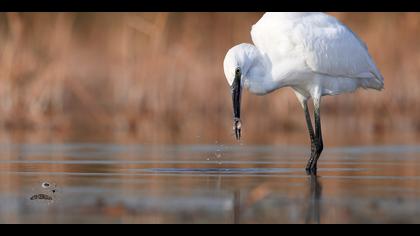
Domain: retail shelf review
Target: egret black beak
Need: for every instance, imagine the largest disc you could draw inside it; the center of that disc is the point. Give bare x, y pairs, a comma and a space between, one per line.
236, 99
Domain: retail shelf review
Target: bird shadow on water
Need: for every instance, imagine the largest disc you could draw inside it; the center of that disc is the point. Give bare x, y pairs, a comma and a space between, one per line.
313, 214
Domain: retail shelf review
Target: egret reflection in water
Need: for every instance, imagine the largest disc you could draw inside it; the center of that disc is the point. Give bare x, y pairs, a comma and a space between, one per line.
314, 200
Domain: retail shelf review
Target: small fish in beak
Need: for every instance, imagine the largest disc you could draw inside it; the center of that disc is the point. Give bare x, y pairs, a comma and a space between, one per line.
237, 128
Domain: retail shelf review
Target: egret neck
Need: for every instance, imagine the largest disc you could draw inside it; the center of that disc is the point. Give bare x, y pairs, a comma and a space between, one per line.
246, 66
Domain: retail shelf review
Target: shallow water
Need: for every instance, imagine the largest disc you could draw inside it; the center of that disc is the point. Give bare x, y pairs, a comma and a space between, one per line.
104, 183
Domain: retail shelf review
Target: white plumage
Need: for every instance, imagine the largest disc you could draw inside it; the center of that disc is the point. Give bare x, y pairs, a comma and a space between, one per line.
320, 43
313, 53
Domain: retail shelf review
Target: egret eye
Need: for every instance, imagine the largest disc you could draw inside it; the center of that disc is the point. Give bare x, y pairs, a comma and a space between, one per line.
237, 71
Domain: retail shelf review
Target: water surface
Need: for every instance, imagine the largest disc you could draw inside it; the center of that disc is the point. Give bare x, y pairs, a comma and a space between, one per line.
104, 183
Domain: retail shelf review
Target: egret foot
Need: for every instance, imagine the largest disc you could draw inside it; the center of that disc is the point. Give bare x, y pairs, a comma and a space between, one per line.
310, 161
311, 167
311, 171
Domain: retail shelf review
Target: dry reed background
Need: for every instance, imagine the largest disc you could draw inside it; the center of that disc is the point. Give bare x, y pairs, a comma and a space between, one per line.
158, 78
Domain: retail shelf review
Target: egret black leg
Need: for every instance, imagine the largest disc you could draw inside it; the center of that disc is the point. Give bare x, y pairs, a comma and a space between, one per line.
311, 134
319, 145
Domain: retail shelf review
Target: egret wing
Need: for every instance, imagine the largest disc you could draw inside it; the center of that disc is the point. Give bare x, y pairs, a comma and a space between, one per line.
320, 42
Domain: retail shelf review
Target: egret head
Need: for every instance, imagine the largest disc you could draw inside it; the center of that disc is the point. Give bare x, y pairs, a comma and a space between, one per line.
236, 64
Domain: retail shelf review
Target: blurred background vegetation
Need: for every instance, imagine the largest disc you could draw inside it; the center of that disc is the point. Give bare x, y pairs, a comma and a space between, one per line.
158, 78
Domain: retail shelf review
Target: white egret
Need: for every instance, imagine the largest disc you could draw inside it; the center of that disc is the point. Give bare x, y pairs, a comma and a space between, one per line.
313, 53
